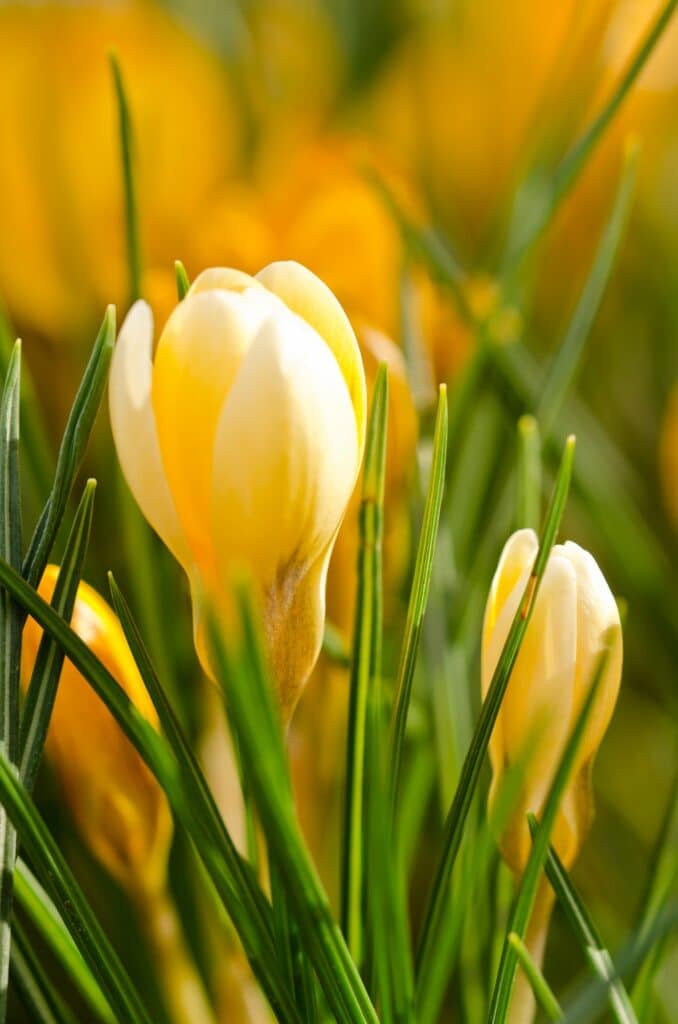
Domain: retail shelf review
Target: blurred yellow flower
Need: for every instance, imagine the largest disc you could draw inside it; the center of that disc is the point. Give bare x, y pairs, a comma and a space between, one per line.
242, 443
475, 94
119, 808
61, 198
573, 616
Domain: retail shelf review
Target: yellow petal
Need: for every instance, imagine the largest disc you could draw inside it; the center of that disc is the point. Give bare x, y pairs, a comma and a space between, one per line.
134, 428
307, 295
286, 455
198, 357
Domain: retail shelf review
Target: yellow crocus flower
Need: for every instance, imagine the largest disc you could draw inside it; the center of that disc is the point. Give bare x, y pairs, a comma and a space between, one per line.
242, 443
575, 617
668, 455
118, 807
570, 626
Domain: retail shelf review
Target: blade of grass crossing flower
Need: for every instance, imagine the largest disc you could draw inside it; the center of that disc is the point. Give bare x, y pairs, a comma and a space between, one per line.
473, 761
528, 512
69, 898
131, 218
419, 593
251, 911
527, 890
42, 689
583, 927
76, 436
45, 917
522, 237
353, 845
568, 355
183, 282
39, 997
10, 641
542, 990
249, 698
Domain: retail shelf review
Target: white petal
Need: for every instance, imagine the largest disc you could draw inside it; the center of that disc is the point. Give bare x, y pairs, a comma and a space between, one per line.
286, 454
597, 614
134, 428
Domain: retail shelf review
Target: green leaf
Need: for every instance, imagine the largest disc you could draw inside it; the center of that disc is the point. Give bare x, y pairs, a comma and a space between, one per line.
524, 902
370, 523
540, 986
75, 439
69, 898
41, 1002
10, 641
35, 902
253, 715
583, 927
419, 593
529, 473
234, 880
183, 282
42, 689
131, 217
454, 825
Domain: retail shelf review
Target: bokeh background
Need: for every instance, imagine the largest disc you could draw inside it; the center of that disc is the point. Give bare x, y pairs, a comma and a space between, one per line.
266, 129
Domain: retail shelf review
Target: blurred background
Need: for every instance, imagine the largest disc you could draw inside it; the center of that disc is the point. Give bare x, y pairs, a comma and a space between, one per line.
323, 132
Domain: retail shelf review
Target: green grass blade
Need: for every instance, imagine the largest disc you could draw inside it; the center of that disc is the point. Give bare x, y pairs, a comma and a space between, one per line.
586, 932
591, 1001
10, 641
523, 236
334, 646
42, 689
70, 900
75, 439
524, 902
36, 448
183, 282
568, 355
251, 911
131, 217
371, 512
419, 593
528, 511
538, 983
41, 1002
454, 825
663, 884
252, 713
45, 917
387, 932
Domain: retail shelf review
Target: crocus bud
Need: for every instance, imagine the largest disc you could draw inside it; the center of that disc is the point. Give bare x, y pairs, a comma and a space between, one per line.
117, 805
574, 618
242, 444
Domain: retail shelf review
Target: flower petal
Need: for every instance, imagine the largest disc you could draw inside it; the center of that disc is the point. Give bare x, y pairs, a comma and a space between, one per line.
134, 428
286, 455
597, 613
306, 295
198, 357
